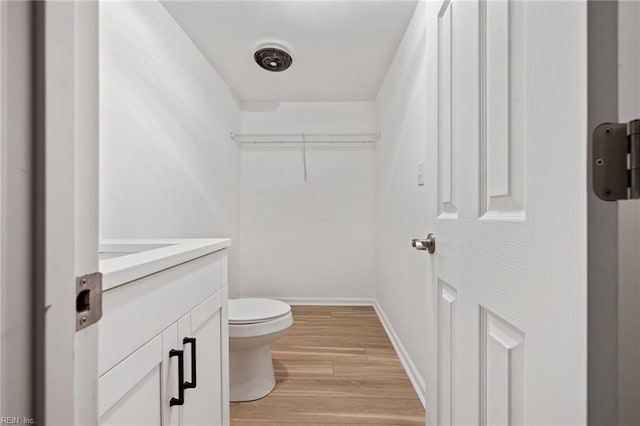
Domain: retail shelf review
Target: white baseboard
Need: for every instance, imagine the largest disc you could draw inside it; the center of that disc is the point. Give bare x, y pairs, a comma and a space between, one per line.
337, 301
408, 364
405, 359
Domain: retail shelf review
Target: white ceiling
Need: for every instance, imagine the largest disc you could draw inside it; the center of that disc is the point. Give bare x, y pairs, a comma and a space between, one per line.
341, 49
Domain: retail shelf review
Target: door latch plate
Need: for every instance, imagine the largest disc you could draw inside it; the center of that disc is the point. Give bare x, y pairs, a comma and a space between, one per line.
88, 300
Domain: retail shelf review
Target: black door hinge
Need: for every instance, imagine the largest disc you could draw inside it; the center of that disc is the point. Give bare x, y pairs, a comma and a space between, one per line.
616, 161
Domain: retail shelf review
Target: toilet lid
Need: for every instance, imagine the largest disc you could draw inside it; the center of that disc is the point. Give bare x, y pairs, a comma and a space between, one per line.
253, 310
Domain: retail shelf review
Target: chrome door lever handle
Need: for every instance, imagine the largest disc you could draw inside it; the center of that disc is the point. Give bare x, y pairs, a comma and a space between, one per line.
419, 244
428, 244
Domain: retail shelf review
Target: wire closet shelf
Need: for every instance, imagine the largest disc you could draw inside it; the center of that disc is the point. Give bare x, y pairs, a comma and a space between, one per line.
306, 138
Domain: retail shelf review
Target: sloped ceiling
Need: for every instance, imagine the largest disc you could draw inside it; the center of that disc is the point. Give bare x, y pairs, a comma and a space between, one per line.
341, 49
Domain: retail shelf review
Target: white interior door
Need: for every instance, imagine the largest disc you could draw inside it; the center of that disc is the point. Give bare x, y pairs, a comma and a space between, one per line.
67, 33
509, 114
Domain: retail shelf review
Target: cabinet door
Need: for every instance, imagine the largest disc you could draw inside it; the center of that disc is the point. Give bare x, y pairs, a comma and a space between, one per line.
207, 402
130, 393
170, 376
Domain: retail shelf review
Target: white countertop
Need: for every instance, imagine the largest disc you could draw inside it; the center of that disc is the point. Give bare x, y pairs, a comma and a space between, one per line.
126, 260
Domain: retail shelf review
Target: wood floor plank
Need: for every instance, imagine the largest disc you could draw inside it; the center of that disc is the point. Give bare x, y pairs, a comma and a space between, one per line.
343, 321
317, 353
234, 408
261, 423
310, 312
384, 387
336, 332
381, 354
360, 311
336, 366
348, 368
381, 411
302, 368
344, 342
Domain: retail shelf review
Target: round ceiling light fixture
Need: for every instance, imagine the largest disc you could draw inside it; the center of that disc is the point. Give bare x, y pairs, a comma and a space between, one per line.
272, 59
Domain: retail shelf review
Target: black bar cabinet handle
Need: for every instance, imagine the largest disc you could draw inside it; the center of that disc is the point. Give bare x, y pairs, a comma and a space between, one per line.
180, 399
192, 341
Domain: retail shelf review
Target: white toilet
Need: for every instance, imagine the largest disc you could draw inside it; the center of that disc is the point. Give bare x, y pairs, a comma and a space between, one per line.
253, 325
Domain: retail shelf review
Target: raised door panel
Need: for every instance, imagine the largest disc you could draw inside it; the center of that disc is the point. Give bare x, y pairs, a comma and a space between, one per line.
446, 175
130, 393
502, 372
204, 403
501, 110
447, 296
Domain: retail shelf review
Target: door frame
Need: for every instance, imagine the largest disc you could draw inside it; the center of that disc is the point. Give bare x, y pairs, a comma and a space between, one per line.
2, 206
613, 343
628, 226
602, 220
16, 178
68, 56
73, 199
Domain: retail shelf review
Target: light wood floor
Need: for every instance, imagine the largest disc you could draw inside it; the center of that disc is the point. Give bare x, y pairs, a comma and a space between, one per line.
335, 366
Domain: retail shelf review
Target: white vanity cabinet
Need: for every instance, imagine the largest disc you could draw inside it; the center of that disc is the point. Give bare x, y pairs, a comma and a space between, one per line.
152, 330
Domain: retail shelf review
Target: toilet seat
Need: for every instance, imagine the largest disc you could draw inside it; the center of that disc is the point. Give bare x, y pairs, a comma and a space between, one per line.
247, 311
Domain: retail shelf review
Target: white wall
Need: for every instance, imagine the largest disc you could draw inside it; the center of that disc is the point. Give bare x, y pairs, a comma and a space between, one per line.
401, 205
168, 166
314, 239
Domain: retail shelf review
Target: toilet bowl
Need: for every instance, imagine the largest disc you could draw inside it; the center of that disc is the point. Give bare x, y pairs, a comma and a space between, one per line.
253, 325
